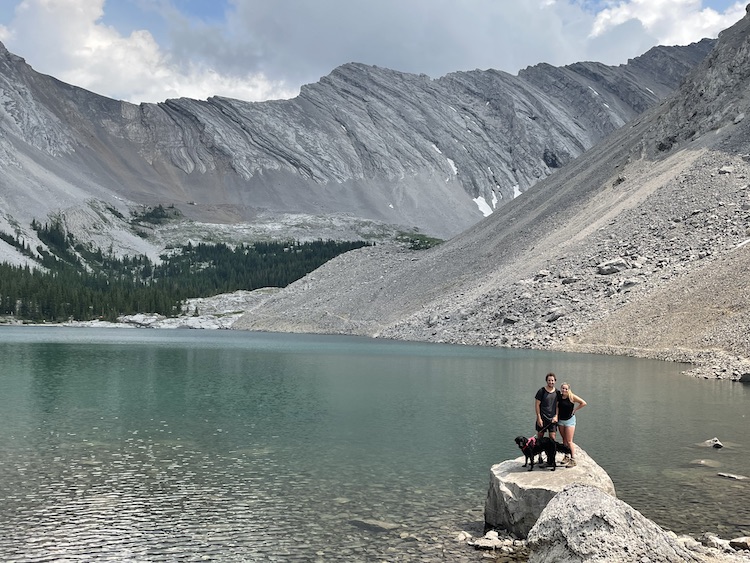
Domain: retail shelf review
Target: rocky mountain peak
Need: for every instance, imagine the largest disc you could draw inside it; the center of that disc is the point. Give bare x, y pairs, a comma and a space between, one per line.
7, 54
714, 95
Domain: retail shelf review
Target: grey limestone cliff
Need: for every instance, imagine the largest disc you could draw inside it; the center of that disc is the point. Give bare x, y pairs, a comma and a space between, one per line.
365, 143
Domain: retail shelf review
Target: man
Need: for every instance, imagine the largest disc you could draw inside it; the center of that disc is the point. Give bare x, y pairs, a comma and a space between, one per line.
545, 406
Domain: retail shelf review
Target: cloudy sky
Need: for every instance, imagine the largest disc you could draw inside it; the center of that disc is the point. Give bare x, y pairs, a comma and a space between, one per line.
151, 50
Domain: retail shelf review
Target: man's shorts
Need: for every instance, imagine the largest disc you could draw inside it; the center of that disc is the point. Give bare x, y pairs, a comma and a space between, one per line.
548, 427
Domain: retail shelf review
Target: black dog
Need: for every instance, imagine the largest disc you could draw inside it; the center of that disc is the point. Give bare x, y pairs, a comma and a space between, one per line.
534, 446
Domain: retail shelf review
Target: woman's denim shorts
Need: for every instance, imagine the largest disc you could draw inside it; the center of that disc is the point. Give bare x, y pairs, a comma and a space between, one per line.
570, 422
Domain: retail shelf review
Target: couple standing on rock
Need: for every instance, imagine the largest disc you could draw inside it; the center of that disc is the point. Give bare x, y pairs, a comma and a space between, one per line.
557, 408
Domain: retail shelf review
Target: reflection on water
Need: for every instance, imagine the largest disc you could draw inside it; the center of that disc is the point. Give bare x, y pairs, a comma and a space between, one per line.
163, 445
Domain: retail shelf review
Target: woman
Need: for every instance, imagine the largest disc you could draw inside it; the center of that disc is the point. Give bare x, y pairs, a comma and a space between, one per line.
568, 405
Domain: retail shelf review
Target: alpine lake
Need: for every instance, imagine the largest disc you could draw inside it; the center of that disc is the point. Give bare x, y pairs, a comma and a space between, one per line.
180, 445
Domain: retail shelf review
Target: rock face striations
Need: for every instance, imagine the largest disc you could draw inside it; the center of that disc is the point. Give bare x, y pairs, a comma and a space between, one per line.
639, 246
366, 143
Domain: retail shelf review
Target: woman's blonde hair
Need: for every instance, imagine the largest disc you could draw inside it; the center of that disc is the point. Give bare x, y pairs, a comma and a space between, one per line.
571, 396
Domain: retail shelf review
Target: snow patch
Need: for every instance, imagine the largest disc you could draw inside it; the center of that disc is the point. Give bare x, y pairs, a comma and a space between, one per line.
453, 166
516, 191
483, 206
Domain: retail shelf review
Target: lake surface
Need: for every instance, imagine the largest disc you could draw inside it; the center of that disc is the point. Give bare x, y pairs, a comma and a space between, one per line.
148, 445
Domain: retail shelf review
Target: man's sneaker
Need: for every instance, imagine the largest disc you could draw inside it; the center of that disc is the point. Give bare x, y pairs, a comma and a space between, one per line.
571, 463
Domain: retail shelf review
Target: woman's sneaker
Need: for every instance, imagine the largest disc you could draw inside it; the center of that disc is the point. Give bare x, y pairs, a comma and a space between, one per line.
571, 463
566, 459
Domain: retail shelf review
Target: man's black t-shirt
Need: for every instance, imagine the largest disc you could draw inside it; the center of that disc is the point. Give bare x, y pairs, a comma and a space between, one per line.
547, 403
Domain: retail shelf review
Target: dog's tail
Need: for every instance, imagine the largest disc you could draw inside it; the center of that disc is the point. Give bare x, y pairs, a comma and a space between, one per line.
563, 448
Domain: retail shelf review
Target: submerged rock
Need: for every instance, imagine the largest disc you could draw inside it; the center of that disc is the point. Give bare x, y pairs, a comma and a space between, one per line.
374, 525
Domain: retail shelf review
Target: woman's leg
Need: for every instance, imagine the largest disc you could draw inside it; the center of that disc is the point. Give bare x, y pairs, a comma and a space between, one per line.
571, 430
564, 432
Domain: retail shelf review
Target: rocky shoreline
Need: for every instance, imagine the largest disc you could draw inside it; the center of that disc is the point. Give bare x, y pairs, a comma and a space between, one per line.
707, 364
222, 311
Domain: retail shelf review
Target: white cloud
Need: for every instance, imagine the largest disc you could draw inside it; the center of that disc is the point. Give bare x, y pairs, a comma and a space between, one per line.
267, 48
670, 22
68, 40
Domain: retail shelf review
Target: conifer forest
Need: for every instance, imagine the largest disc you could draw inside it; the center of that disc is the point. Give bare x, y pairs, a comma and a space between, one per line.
75, 281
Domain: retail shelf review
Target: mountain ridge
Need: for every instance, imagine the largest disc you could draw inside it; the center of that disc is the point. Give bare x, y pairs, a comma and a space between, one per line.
372, 149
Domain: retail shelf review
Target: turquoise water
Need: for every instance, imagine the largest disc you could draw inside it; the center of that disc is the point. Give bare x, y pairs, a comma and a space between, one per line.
151, 445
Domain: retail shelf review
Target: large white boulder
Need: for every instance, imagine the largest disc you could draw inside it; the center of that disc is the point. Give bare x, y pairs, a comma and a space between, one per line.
516, 496
584, 524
